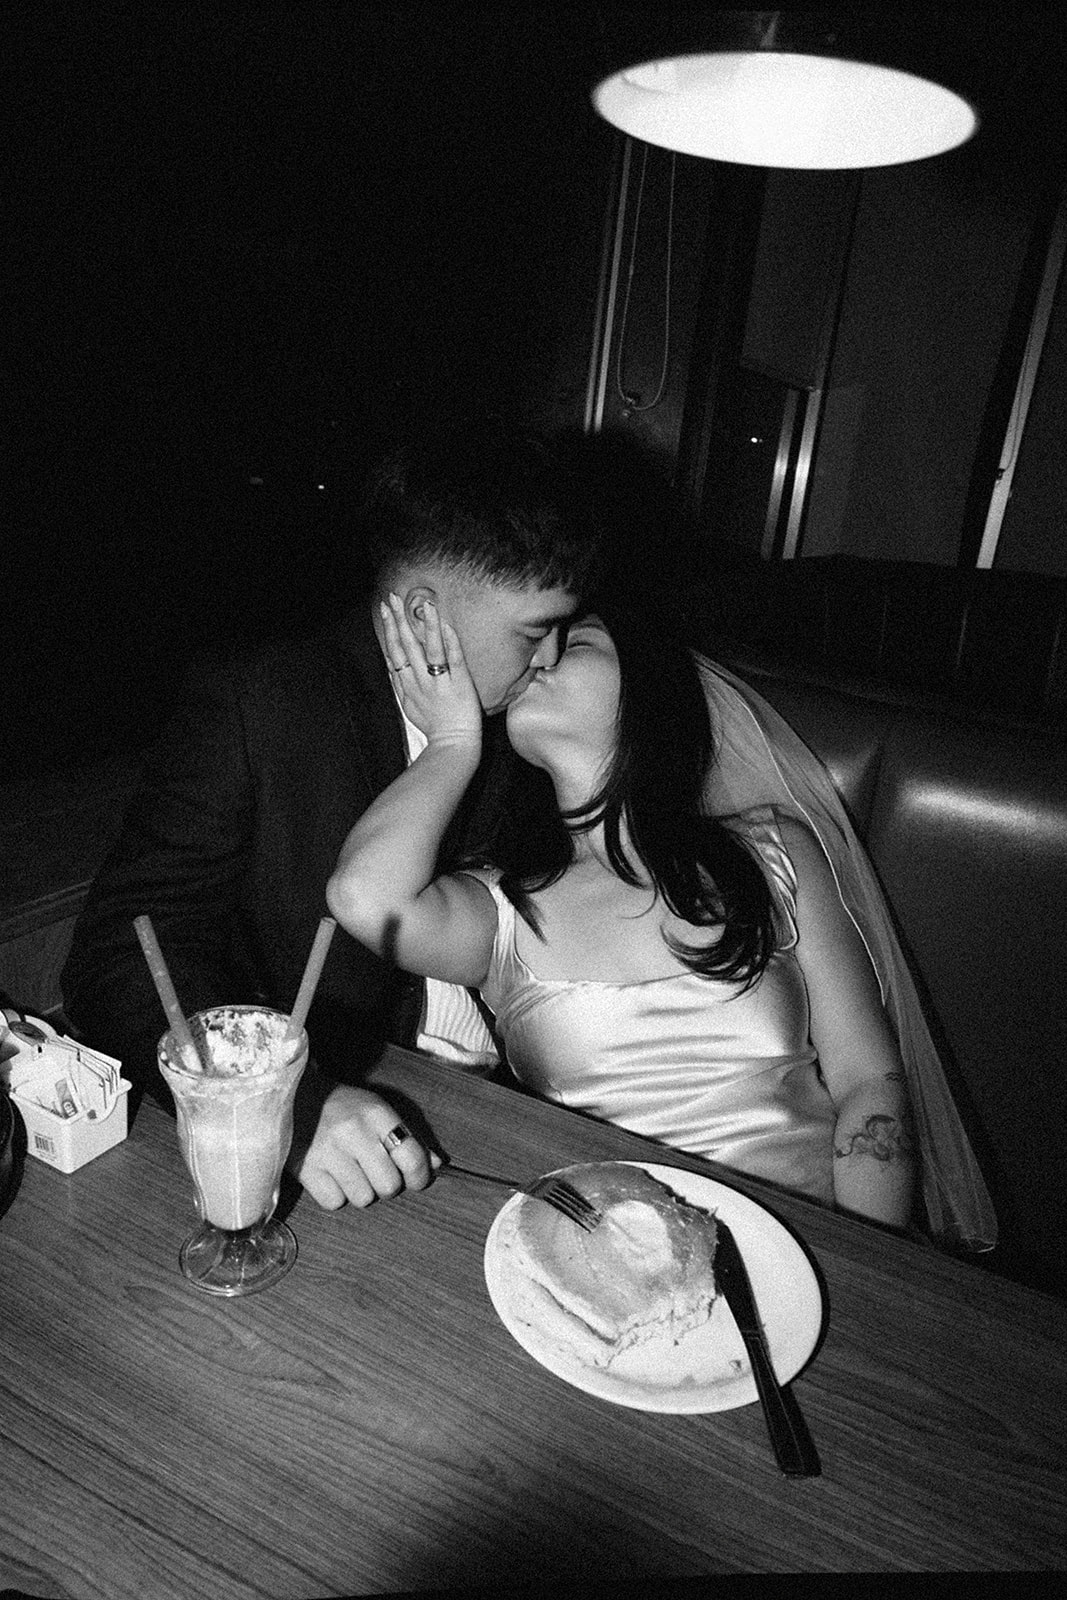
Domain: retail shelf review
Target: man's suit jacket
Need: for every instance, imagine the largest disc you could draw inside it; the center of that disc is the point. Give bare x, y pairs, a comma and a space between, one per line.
228, 844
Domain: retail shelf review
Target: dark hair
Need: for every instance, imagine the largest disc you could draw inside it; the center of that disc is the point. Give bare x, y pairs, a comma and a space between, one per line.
496, 501
656, 780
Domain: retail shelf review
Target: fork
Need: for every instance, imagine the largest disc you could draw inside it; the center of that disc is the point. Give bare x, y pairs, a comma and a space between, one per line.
554, 1191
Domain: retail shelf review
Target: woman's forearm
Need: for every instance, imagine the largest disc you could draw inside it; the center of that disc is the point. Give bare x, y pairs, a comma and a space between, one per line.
390, 855
874, 1156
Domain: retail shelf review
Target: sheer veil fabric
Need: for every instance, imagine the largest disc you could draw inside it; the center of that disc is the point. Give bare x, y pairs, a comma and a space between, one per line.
761, 761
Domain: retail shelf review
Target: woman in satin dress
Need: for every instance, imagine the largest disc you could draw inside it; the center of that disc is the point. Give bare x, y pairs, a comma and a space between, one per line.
692, 976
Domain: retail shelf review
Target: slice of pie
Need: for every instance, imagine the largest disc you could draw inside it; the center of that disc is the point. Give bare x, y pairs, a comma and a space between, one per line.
646, 1272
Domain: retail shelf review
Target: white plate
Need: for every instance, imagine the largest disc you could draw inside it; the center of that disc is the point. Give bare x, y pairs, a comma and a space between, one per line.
708, 1369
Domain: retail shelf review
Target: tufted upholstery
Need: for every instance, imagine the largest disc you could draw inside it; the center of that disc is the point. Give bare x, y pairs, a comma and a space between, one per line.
965, 820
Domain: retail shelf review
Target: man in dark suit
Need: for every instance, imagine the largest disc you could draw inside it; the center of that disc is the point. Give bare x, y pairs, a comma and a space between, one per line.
271, 756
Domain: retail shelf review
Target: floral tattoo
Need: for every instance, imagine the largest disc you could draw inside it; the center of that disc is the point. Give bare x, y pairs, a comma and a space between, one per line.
883, 1137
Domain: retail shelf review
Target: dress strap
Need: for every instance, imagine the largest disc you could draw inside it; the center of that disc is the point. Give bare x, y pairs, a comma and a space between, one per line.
759, 827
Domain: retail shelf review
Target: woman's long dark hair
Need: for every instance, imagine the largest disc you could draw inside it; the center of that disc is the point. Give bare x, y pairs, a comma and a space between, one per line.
656, 781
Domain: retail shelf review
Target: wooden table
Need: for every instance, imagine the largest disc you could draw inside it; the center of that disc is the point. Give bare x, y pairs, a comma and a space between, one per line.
369, 1426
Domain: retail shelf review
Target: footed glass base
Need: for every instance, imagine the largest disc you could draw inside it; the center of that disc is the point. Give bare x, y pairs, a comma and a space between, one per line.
232, 1261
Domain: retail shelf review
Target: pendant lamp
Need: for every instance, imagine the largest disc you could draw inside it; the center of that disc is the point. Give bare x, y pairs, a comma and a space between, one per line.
781, 89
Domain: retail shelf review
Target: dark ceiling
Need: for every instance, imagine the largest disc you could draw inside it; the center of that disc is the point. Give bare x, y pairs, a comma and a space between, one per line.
278, 210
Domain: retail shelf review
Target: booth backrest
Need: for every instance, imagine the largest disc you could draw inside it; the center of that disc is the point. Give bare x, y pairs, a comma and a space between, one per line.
965, 820
985, 639
55, 831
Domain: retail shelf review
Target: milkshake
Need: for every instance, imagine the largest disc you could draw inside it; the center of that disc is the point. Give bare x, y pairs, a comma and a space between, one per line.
235, 1126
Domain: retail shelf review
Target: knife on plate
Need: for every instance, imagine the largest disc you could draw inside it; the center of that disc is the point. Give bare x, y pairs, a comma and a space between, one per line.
792, 1442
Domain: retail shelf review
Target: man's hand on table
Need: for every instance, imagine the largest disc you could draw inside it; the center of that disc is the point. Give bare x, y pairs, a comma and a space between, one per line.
346, 1158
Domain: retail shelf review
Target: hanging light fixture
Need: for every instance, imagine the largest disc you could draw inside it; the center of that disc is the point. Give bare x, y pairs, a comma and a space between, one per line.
779, 89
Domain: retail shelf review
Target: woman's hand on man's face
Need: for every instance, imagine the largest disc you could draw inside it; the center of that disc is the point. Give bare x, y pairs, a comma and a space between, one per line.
436, 690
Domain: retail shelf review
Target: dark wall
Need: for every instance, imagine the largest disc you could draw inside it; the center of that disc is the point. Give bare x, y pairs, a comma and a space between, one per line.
246, 242
936, 256
938, 253
903, 296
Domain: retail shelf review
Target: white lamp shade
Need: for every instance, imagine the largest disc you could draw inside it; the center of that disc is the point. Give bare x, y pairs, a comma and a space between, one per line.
770, 108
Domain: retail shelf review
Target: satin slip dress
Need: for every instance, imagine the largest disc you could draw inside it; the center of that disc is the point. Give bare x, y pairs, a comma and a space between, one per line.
691, 1062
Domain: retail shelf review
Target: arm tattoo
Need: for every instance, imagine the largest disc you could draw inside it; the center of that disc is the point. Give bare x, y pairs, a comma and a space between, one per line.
885, 1138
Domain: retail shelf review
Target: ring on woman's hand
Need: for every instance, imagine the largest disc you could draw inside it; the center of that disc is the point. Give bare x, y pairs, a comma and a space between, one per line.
401, 667
436, 668
396, 1136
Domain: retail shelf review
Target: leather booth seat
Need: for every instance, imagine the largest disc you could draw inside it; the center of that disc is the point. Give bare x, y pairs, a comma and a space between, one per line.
965, 821
55, 831
984, 639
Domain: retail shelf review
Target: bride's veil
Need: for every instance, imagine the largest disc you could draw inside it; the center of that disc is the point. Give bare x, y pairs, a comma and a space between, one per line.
762, 761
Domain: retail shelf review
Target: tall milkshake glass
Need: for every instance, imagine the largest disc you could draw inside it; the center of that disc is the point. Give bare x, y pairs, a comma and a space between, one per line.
235, 1126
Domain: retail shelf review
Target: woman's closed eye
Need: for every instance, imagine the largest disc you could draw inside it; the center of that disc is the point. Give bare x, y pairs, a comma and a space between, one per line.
586, 639
583, 635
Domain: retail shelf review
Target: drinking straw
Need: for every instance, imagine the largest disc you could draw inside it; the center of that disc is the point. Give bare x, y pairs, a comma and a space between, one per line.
165, 988
309, 982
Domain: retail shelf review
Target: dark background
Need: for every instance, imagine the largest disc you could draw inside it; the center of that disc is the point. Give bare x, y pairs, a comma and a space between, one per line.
245, 243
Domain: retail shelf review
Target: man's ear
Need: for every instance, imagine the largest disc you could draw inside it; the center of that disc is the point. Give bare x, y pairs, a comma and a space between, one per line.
415, 608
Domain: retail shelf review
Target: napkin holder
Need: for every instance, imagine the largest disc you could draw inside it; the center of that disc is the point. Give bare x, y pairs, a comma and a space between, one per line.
65, 1142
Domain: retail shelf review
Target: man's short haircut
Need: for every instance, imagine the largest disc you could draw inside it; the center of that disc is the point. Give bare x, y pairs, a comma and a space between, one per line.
502, 505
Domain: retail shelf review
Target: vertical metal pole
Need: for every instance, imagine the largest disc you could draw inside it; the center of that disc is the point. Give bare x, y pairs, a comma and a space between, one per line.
607, 292
814, 404
798, 501
1024, 389
781, 467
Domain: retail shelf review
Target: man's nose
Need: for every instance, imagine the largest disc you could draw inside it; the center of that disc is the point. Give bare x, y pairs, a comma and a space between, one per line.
548, 651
